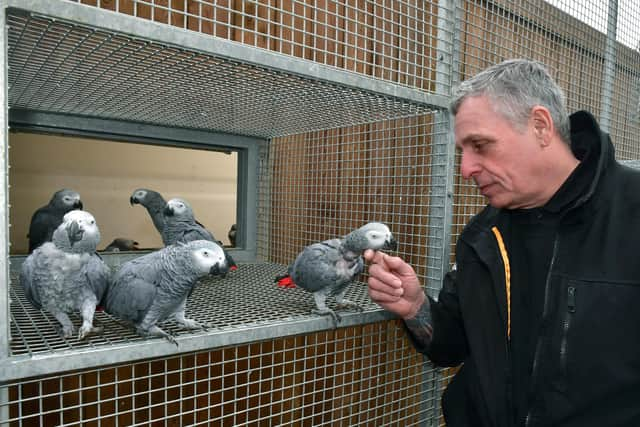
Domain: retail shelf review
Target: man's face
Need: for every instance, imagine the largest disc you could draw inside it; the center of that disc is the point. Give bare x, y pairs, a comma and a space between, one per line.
506, 163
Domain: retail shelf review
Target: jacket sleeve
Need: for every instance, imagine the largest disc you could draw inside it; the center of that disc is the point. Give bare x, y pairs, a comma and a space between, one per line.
448, 343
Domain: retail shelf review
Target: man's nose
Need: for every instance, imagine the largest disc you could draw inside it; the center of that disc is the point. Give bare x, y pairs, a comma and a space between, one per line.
469, 165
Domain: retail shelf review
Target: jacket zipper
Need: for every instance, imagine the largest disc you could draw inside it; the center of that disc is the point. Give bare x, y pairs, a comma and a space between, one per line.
571, 308
545, 309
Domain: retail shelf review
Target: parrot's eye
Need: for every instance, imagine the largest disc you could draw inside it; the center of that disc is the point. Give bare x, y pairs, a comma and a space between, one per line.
92, 222
205, 253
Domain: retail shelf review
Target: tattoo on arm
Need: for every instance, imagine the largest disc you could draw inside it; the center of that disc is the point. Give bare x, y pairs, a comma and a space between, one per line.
421, 325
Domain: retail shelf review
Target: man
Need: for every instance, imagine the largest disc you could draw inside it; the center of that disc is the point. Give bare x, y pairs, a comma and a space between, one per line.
543, 311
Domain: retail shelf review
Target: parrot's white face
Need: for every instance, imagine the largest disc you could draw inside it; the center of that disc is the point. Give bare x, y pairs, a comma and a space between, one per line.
71, 199
177, 206
205, 259
139, 195
85, 221
378, 238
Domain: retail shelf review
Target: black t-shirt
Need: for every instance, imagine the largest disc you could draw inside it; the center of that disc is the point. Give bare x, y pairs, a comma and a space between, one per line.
530, 246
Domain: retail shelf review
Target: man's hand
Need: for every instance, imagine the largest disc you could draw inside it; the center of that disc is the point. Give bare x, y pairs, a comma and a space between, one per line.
393, 284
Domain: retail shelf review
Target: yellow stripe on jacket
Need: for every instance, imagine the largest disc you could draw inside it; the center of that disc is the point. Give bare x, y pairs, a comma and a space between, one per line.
507, 275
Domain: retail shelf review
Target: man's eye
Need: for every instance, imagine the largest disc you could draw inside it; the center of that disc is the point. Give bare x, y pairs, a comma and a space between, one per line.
479, 146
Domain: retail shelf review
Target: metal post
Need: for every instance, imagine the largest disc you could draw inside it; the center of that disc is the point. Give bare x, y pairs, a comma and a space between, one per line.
442, 170
4, 205
609, 66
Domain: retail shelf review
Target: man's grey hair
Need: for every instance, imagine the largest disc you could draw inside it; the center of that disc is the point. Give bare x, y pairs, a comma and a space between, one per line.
514, 87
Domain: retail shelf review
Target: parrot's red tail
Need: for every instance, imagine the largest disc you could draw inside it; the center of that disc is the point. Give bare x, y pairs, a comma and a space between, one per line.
285, 281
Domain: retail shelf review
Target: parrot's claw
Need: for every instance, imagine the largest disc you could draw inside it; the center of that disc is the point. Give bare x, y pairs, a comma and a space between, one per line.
328, 312
172, 340
193, 324
86, 331
67, 331
349, 305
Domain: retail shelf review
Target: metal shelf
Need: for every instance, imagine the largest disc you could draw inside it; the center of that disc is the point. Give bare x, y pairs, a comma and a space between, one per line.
245, 306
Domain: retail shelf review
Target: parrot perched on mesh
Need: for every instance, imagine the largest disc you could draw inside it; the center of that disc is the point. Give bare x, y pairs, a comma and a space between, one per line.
47, 218
67, 275
181, 226
153, 202
327, 268
155, 287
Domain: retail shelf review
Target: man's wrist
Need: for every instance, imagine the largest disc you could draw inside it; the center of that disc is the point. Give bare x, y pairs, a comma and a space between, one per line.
415, 308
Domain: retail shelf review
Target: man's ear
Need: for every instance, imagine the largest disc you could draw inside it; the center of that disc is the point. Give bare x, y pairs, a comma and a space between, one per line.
542, 123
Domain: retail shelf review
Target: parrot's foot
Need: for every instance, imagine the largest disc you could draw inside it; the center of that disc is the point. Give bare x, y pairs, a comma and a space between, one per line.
67, 331
328, 312
156, 331
192, 324
86, 330
345, 304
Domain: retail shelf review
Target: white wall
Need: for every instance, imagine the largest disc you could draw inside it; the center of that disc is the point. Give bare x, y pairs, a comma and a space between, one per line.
105, 173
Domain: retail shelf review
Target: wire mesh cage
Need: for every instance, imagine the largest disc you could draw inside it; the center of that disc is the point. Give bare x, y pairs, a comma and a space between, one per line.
350, 98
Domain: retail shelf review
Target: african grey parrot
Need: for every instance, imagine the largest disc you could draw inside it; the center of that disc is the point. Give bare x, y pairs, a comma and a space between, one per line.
233, 231
46, 219
67, 275
327, 268
153, 202
154, 287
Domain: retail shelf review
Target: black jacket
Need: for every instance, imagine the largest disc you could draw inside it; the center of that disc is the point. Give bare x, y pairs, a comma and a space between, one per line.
586, 368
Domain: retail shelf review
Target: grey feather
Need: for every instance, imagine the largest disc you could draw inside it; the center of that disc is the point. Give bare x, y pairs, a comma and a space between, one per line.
155, 287
67, 275
46, 219
327, 268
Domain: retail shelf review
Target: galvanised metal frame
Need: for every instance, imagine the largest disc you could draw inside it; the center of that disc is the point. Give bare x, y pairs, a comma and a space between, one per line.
412, 101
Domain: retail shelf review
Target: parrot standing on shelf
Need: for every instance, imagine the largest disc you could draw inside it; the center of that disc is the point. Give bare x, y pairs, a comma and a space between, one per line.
67, 275
327, 268
46, 219
154, 287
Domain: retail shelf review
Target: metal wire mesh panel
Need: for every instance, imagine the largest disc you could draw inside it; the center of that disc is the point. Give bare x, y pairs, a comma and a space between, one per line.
325, 184
393, 40
366, 376
63, 67
571, 39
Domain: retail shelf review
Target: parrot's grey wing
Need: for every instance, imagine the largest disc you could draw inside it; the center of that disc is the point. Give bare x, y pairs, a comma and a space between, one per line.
197, 233
130, 298
98, 276
144, 267
27, 281
43, 224
314, 269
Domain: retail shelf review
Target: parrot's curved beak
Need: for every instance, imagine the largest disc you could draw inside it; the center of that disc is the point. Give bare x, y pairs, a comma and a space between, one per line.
75, 233
78, 205
391, 244
168, 211
218, 270
133, 201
